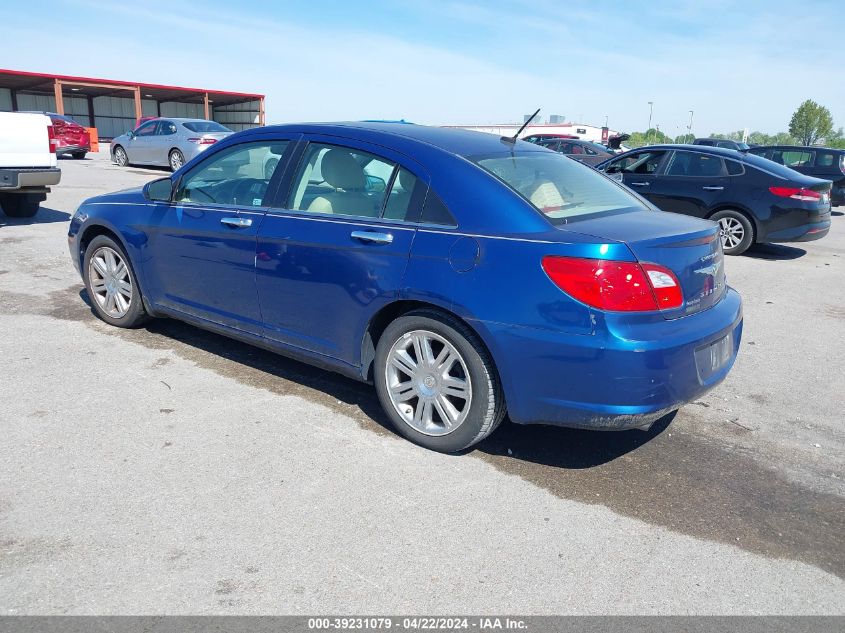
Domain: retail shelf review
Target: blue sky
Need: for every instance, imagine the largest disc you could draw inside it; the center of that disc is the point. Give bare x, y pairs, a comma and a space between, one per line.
735, 63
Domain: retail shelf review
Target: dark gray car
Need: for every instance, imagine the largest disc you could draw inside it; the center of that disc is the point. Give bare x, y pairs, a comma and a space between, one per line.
167, 142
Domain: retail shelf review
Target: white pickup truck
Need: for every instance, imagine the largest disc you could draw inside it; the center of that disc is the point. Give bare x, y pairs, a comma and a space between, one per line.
27, 162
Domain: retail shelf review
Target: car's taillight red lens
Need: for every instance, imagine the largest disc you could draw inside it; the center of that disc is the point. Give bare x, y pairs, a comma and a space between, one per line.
614, 285
796, 193
203, 141
51, 139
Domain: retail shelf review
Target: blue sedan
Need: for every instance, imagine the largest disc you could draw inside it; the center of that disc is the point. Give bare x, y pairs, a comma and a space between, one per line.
466, 275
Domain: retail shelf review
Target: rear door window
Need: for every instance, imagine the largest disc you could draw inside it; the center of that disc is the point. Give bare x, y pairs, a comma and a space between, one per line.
694, 164
826, 159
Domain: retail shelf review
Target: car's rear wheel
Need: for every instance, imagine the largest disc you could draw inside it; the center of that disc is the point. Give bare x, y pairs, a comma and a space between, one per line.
120, 157
437, 382
176, 159
19, 205
79, 155
735, 230
111, 284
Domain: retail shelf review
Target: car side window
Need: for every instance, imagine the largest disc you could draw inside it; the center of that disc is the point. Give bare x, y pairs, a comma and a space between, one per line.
791, 158
147, 129
436, 212
825, 159
694, 164
167, 128
341, 181
639, 163
237, 175
735, 168
400, 197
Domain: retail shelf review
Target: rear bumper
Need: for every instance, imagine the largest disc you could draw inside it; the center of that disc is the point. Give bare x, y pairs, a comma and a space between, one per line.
630, 372
35, 177
72, 149
803, 233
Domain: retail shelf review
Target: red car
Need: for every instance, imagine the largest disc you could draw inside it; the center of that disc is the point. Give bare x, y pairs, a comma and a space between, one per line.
71, 137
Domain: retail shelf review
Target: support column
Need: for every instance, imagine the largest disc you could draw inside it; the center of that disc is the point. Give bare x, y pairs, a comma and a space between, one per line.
91, 111
261, 112
138, 111
60, 103
205, 104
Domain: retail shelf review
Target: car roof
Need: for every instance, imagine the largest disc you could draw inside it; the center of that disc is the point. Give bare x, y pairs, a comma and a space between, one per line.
802, 148
703, 149
452, 140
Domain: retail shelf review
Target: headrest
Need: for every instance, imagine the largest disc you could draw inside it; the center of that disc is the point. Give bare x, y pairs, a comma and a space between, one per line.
342, 171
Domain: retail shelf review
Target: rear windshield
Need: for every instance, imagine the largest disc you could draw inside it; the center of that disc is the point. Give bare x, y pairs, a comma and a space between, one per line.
204, 127
560, 188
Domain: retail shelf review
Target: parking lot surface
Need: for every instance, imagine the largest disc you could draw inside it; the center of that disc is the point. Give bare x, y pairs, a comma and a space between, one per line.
169, 470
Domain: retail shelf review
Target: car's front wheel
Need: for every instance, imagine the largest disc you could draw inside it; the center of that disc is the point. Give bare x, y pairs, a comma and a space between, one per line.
111, 284
735, 230
437, 382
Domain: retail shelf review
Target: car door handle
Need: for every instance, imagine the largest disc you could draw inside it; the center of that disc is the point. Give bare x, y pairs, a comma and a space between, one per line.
372, 236
640, 184
712, 188
238, 223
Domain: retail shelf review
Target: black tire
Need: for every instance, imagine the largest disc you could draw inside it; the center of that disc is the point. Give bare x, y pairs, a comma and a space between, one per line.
175, 159
736, 230
120, 157
79, 155
487, 405
19, 205
135, 314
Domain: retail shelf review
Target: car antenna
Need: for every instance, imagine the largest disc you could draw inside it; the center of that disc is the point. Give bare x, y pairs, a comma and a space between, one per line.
512, 139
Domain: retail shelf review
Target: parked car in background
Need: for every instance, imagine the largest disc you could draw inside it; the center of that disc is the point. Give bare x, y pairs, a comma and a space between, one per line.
27, 162
71, 137
536, 138
376, 250
721, 142
585, 152
166, 142
819, 162
752, 199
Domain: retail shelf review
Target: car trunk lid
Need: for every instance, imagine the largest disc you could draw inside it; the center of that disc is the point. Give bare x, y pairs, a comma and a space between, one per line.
689, 247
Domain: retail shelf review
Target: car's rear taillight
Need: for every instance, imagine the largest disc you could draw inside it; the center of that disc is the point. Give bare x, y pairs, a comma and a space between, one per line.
203, 141
614, 285
796, 193
51, 139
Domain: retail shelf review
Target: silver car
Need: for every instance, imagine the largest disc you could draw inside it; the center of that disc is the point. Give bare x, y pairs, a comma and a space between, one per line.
166, 142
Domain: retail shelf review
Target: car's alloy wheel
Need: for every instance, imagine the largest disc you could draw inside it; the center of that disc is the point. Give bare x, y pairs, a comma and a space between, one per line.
436, 381
111, 283
428, 382
120, 157
732, 232
176, 160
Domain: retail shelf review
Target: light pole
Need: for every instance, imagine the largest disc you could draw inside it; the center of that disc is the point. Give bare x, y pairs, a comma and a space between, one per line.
689, 127
650, 112
605, 120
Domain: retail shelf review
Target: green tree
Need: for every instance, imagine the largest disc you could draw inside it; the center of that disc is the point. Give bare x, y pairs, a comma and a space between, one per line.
811, 122
685, 138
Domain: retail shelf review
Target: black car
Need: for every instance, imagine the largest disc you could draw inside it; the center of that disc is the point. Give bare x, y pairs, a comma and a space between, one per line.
819, 162
722, 142
583, 151
752, 199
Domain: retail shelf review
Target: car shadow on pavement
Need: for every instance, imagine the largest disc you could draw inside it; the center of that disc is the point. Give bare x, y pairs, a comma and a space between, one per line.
774, 252
45, 215
666, 476
837, 213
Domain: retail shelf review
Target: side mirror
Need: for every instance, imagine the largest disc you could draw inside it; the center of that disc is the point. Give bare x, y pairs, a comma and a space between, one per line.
160, 190
131, 134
